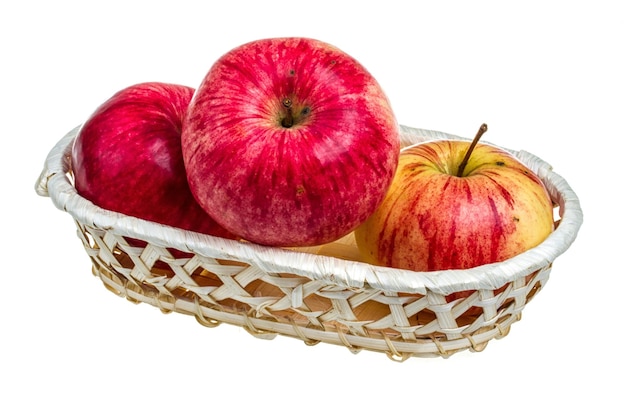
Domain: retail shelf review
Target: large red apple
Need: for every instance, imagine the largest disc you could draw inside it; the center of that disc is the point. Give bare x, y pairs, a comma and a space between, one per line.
127, 158
290, 142
438, 215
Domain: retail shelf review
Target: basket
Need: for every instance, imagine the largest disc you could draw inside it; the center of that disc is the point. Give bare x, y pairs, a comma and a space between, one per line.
316, 294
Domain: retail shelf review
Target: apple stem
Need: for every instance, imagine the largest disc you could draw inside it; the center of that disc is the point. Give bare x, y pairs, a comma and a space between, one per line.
481, 130
287, 121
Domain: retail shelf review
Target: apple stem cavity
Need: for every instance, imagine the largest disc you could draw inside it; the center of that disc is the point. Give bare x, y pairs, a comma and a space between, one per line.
287, 121
481, 131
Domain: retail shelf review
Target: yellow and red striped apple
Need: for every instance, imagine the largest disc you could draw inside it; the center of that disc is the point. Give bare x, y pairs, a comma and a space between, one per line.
289, 142
438, 215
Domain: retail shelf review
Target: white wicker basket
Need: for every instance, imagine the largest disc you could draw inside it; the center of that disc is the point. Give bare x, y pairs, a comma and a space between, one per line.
321, 294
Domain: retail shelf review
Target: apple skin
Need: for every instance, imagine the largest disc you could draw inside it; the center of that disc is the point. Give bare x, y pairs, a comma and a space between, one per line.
127, 158
433, 220
299, 184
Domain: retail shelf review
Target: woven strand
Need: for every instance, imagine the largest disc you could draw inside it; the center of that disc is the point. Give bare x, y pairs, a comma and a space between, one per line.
344, 340
393, 354
202, 320
302, 336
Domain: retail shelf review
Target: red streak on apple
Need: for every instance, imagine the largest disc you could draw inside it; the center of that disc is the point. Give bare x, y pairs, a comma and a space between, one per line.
289, 142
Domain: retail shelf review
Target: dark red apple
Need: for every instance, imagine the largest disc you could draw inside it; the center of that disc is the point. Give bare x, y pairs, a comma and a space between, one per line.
290, 142
127, 158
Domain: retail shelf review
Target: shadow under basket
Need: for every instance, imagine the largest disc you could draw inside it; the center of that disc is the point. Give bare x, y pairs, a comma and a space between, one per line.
316, 294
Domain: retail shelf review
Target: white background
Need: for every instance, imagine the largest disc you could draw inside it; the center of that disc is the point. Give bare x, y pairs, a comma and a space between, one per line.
548, 77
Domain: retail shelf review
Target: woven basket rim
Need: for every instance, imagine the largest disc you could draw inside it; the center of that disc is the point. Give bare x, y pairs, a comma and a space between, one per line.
55, 183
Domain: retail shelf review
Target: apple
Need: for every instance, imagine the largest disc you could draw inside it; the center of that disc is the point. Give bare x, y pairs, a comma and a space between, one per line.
289, 142
456, 205
127, 158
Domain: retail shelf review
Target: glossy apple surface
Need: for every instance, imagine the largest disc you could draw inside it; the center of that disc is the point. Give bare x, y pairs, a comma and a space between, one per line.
290, 142
127, 157
432, 219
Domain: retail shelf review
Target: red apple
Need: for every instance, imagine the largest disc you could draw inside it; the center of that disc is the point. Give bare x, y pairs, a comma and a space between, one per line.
289, 142
127, 158
440, 215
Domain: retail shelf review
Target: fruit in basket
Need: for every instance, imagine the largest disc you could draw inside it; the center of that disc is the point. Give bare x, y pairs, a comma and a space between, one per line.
127, 158
289, 142
441, 213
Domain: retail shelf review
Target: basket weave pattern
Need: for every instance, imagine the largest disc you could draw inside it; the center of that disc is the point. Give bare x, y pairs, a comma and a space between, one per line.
321, 294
